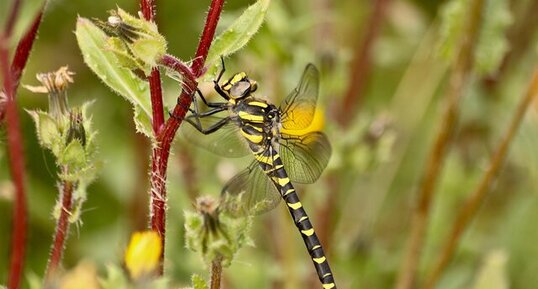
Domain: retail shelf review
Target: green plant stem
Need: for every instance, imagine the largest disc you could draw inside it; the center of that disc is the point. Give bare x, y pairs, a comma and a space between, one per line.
473, 202
165, 137
216, 273
458, 82
61, 232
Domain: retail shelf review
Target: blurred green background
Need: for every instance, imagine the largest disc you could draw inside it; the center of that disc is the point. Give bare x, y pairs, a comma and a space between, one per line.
362, 205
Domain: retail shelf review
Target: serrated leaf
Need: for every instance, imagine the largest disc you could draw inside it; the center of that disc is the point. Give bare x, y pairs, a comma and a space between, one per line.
102, 61
236, 36
143, 122
198, 282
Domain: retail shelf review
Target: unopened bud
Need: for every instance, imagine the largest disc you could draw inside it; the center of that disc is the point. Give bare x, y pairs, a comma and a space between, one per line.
76, 129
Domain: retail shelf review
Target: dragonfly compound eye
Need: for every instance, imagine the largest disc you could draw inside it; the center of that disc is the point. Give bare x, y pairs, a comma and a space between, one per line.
240, 89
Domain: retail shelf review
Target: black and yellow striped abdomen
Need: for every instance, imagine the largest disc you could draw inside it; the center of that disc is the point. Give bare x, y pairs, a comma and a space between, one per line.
272, 165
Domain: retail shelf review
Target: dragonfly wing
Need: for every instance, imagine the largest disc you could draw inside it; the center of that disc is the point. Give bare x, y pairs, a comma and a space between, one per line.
305, 156
226, 141
251, 192
300, 105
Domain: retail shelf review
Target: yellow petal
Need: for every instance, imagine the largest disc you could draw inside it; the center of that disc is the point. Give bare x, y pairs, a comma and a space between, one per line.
143, 252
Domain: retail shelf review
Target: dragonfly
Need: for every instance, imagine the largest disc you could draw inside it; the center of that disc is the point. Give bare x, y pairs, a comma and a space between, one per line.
284, 149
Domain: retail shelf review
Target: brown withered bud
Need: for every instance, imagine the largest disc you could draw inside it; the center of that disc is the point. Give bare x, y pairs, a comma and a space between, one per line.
55, 85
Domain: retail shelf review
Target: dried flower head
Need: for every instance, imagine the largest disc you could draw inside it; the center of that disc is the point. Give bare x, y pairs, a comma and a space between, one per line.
55, 84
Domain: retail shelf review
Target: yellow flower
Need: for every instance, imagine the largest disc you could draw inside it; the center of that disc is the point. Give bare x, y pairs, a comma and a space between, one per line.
142, 255
317, 124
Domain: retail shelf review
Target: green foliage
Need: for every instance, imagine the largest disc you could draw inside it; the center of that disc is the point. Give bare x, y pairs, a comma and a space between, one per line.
492, 43
492, 275
103, 61
452, 28
236, 36
216, 234
198, 282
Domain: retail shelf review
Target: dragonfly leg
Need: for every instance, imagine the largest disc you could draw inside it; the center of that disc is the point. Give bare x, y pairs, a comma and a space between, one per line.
198, 126
216, 81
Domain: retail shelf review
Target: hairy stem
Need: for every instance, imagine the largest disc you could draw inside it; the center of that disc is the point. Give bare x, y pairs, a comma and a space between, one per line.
216, 273
16, 165
458, 82
10, 79
22, 53
157, 109
473, 202
165, 137
62, 231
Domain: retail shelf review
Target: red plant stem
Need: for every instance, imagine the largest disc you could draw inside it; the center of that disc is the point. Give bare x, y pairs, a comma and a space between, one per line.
165, 137
361, 64
11, 76
21, 55
16, 164
62, 230
148, 10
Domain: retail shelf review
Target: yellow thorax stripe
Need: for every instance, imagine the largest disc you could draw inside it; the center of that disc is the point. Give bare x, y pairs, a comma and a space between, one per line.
258, 103
252, 138
250, 117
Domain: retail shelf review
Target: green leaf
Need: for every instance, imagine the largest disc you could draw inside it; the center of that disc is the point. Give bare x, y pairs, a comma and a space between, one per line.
143, 122
199, 282
48, 133
492, 43
73, 155
103, 62
236, 36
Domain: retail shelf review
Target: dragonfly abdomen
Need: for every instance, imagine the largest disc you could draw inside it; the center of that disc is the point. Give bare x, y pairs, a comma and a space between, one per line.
272, 165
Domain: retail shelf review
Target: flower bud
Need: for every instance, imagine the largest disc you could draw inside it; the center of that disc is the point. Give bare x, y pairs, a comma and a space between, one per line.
143, 253
76, 129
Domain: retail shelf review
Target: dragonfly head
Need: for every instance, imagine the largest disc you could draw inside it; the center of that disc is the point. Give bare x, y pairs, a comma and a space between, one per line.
239, 86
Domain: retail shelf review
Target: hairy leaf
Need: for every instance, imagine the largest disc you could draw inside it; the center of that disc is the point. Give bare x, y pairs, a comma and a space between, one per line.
236, 36
102, 61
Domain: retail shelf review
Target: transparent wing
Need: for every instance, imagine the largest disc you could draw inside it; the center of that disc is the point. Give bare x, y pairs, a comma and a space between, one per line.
305, 157
299, 106
250, 192
226, 141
